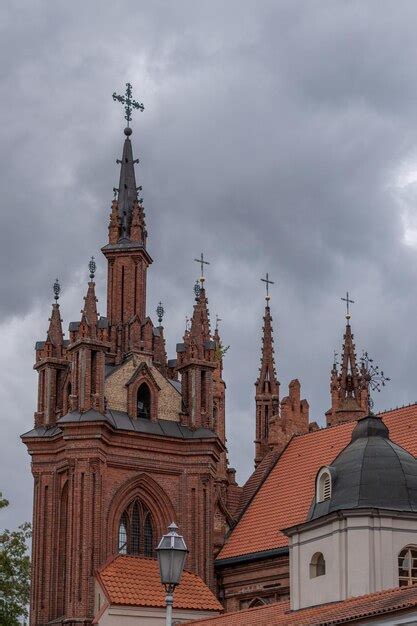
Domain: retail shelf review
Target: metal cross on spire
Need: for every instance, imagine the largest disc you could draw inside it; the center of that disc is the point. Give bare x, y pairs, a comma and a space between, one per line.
347, 305
202, 264
267, 283
129, 103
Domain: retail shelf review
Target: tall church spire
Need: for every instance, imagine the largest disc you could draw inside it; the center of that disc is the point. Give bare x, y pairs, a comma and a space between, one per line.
127, 193
267, 385
126, 253
348, 386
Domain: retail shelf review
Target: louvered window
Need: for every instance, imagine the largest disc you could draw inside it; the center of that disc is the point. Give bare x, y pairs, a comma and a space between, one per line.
324, 485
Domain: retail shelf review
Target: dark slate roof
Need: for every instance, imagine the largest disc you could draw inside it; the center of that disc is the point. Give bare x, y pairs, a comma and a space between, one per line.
172, 363
39, 345
156, 332
43, 431
121, 421
209, 345
73, 326
103, 322
180, 347
176, 384
371, 472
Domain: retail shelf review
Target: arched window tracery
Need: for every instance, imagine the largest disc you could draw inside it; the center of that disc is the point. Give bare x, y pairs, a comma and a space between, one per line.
136, 530
407, 566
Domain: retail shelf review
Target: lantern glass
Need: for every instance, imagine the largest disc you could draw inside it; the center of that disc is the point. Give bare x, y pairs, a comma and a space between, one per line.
171, 552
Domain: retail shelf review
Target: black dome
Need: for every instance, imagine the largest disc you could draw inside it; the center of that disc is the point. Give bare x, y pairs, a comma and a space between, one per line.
371, 472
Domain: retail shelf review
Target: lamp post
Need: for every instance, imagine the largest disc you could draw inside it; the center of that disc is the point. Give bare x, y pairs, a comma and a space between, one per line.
171, 553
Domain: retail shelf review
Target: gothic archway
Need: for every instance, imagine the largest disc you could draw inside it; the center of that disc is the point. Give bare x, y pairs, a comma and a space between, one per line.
153, 500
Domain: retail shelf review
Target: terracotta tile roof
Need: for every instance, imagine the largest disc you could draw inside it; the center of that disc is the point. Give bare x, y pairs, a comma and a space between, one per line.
351, 610
134, 581
285, 496
257, 477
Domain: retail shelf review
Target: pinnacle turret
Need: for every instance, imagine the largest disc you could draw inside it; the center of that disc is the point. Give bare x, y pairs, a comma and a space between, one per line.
348, 386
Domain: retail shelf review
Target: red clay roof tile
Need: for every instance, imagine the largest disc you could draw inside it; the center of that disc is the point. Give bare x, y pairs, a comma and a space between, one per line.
279, 614
134, 581
284, 498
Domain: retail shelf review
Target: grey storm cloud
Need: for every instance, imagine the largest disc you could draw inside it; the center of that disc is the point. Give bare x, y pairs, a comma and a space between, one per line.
276, 136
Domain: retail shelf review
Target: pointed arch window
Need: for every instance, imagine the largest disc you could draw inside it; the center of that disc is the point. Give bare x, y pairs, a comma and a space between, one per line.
407, 566
136, 530
143, 402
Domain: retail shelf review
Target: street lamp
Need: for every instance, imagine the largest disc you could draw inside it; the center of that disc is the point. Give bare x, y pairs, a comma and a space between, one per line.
171, 553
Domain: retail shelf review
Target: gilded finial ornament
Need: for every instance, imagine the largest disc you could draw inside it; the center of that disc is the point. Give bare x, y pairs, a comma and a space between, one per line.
202, 263
160, 312
348, 301
57, 289
129, 104
267, 283
374, 377
92, 267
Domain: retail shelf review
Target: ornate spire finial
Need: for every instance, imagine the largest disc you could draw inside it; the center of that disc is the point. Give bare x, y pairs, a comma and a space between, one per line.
267, 283
374, 377
202, 263
92, 267
130, 104
197, 290
347, 305
57, 289
160, 313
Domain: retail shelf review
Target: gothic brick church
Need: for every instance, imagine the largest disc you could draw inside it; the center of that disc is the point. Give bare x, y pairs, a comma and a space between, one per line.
126, 440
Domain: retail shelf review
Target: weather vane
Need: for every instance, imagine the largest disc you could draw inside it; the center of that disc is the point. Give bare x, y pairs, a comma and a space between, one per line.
267, 283
347, 305
129, 103
202, 264
57, 289
374, 377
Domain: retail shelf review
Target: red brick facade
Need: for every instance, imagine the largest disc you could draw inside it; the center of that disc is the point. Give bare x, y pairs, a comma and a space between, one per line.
98, 445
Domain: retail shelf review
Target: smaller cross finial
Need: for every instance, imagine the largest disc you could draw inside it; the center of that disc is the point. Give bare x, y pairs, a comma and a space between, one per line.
267, 283
160, 312
218, 319
57, 289
129, 103
92, 267
347, 305
202, 264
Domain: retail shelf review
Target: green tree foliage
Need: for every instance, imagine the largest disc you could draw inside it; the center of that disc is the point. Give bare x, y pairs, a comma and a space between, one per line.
14, 573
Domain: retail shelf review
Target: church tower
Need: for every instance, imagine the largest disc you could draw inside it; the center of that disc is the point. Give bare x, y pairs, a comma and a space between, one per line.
124, 441
276, 422
267, 388
349, 387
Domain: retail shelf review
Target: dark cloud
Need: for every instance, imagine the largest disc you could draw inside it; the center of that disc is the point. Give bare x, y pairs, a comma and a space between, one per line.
276, 136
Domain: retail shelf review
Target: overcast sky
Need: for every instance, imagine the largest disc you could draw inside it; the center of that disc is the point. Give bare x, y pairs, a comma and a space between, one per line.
277, 136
